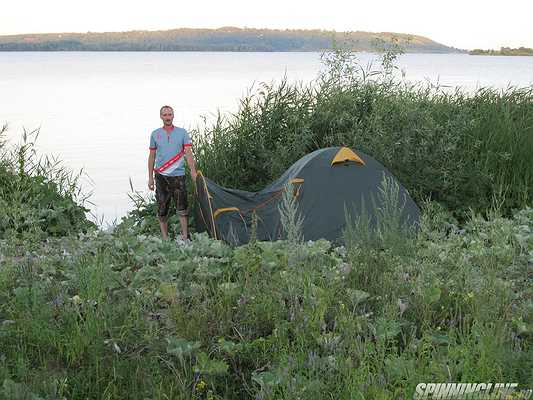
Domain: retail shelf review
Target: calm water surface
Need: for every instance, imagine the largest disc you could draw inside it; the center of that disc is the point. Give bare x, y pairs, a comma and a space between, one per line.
96, 110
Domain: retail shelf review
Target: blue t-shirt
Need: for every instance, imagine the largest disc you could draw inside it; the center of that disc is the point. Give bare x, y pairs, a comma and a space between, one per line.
170, 151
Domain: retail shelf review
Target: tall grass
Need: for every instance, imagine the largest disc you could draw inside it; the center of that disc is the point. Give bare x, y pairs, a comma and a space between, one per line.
123, 314
291, 219
37, 193
129, 316
265, 133
465, 150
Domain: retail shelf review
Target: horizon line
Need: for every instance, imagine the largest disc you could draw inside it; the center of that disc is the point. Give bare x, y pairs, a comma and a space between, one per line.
243, 28
227, 27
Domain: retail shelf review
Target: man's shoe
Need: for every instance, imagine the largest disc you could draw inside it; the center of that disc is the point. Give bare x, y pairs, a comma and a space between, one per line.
181, 242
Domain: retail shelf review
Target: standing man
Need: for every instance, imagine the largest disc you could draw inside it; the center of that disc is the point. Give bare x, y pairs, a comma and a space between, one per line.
168, 146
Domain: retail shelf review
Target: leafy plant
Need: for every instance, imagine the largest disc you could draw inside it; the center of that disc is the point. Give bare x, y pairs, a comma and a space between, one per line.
38, 195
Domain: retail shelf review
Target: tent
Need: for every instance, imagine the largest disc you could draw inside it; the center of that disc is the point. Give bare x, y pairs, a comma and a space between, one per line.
328, 184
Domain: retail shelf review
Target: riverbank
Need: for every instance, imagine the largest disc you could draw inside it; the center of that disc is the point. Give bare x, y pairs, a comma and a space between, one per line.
504, 51
88, 314
115, 315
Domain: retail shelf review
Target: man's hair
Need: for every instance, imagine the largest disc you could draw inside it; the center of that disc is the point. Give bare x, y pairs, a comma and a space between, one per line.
162, 108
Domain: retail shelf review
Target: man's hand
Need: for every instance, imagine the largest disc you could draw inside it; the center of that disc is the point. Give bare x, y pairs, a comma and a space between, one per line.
192, 164
151, 161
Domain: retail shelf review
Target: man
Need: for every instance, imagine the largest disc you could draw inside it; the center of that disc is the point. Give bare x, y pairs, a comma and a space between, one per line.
169, 145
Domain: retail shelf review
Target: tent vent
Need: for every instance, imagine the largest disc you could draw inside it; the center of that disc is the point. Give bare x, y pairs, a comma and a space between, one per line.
346, 154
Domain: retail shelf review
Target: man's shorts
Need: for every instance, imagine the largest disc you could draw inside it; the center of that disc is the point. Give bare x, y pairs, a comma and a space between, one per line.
170, 189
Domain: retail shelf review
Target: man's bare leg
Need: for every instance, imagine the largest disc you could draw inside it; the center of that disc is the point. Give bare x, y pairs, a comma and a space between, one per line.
184, 227
163, 224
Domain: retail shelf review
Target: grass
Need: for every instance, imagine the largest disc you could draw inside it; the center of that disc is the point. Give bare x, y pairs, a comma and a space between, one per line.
38, 195
88, 314
464, 150
104, 316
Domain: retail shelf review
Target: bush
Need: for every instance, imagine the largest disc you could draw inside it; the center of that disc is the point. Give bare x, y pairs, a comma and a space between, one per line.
467, 151
38, 195
126, 315
104, 315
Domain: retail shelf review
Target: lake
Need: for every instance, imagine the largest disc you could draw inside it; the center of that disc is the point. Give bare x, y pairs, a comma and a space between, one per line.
95, 110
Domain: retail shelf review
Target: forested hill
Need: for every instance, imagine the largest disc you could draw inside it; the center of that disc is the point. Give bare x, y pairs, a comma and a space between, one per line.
504, 51
222, 39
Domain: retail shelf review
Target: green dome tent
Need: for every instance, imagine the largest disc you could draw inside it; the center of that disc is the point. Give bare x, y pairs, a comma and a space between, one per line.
328, 183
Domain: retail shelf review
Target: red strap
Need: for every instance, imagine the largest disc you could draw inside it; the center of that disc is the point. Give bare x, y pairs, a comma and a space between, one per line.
170, 162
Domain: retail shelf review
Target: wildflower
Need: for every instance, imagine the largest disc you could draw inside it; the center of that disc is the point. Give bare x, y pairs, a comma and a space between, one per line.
201, 386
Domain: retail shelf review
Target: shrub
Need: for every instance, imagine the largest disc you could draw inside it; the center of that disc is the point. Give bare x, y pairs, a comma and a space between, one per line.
37, 194
466, 151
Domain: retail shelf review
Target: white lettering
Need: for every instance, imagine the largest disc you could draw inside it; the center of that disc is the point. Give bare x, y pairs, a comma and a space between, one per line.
450, 390
430, 389
481, 390
442, 391
498, 392
469, 389
461, 387
420, 391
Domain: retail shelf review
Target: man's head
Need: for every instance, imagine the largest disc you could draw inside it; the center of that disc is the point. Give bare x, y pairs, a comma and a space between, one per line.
167, 115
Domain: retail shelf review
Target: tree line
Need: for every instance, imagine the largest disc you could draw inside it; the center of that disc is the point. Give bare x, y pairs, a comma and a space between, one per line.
222, 39
504, 51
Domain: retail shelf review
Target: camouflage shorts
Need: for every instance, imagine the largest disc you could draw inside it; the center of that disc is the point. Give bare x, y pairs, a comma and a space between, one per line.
170, 189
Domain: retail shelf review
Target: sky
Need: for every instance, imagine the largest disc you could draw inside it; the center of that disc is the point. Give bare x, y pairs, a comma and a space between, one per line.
465, 24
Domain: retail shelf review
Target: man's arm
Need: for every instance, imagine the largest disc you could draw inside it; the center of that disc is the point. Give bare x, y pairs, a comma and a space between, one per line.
190, 161
151, 161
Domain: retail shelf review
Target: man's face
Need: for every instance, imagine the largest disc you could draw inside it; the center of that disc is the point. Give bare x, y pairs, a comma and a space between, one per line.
167, 115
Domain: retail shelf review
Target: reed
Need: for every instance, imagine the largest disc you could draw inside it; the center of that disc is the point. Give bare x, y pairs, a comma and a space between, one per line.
465, 150
38, 195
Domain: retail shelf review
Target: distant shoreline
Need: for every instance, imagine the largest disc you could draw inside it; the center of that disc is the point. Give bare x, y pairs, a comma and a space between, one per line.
504, 51
227, 39
210, 51
502, 55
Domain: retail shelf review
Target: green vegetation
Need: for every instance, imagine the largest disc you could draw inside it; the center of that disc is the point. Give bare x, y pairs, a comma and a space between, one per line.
109, 316
88, 314
466, 151
38, 196
504, 51
222, 39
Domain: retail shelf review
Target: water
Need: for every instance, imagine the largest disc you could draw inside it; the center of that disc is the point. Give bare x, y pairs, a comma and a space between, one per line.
96, 110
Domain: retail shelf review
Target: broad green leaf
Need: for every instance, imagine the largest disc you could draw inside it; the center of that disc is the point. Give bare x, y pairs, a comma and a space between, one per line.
181, 347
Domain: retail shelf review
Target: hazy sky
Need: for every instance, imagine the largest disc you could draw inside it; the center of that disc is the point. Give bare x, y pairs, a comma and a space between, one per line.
460, 23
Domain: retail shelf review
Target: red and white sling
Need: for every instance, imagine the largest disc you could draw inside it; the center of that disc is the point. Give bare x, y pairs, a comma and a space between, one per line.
172, 163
